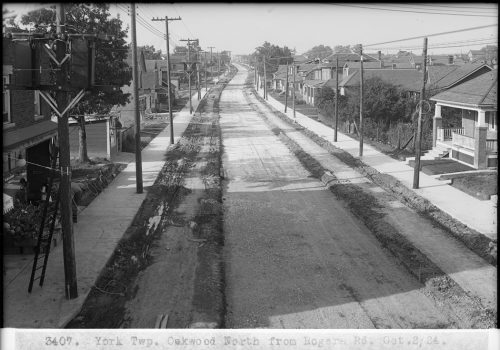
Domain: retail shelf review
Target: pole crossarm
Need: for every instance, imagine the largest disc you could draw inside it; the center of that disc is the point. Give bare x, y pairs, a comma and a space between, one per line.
52, 56
53, 104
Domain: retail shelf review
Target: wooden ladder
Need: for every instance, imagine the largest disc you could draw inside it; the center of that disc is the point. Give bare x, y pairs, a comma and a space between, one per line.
45, 233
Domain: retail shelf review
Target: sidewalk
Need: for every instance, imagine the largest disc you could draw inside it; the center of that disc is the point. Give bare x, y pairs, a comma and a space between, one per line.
100, 227
474, 213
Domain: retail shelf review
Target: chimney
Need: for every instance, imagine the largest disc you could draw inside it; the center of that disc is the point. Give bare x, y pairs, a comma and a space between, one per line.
379, 55
450, 59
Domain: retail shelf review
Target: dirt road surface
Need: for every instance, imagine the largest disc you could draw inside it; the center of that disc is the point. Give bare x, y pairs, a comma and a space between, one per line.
295, 256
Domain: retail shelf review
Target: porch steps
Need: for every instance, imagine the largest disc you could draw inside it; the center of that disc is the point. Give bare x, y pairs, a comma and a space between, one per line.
437, 152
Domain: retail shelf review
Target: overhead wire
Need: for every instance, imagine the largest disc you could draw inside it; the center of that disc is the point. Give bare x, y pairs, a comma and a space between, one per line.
434, 34
183, 22
447, 9
408, 11
479, 41
473, 6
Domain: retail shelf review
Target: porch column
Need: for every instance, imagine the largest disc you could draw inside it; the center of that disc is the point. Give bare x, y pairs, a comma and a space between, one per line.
480, 159
481, 118
437, 123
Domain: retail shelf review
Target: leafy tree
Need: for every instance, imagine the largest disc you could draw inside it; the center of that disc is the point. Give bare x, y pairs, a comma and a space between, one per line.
272, 55
490, 53
342, 49
150, 52
110, 65
319, 51
383, 103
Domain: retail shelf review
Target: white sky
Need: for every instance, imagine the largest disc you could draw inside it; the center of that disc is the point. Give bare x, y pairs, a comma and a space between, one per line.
240, 28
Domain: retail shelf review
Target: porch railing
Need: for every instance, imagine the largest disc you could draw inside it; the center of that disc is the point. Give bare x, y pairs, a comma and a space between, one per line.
448, 133
462, 141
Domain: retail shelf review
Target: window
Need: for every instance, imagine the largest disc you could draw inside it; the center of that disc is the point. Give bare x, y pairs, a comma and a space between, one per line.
38, 105
6, 100
491, 120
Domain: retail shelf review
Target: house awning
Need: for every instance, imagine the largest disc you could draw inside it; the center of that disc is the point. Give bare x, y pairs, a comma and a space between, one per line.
16, 139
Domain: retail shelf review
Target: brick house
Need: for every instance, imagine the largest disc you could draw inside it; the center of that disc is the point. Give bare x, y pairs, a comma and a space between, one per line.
27, 128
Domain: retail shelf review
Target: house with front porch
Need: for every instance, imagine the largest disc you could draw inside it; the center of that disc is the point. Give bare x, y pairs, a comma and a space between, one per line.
28, 131
475, 141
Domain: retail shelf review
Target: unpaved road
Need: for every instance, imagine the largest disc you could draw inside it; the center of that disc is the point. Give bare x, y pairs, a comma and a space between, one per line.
295, 255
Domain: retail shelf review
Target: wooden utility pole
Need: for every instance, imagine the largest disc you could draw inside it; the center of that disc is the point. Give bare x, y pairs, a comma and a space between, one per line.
218, 63
286, 87
211, 60
135, 89
293, 90
205, 58
189, 71
70, 286
166, 19
336, 98
360, 129
418, 145
265, 79
198, 74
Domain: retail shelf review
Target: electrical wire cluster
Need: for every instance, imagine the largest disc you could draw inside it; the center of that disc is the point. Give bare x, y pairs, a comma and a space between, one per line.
450, 10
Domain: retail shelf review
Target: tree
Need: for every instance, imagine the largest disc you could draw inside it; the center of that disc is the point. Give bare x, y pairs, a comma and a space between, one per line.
265, 53
150, 52
319, 51
110, 65
490, 54
342, 49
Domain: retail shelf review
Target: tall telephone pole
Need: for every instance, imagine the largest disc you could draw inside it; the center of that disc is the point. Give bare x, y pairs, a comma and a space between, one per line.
286, 87
265, 79
198, 85
211, 72
189, 70
71, 288
360, 129
135, 87
416, 170
205, 59
218, 63
336, 98
166, 19
293, 90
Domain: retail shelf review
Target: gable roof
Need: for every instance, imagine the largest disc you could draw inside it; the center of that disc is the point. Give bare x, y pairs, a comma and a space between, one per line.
367, 65
447, 76
345, 57
478, 92
407, 79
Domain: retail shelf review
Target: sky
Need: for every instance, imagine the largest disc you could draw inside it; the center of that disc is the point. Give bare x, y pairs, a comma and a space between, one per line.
240, 28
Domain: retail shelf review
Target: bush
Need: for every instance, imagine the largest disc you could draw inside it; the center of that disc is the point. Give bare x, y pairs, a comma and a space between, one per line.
128, 144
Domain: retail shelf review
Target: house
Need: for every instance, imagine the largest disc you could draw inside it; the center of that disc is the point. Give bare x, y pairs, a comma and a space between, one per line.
444, 77
441, 60
312, 88
279, 78
474, 55
409, 80
475, 141
28, 131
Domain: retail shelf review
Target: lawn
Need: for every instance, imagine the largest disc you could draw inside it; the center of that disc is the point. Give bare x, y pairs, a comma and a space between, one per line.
479, 185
